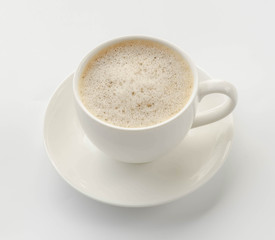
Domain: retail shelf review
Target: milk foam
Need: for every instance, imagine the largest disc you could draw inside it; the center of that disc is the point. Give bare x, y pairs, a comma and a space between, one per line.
136, 83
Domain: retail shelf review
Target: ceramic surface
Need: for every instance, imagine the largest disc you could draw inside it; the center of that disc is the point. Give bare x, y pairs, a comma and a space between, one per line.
187, 167
146, 144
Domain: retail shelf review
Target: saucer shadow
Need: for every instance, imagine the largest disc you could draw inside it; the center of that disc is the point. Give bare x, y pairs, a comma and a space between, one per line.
170, 215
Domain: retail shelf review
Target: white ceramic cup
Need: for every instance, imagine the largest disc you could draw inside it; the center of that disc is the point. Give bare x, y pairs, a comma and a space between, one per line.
139, 145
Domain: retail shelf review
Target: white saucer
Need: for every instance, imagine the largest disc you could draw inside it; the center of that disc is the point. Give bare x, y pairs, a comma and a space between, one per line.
84, 167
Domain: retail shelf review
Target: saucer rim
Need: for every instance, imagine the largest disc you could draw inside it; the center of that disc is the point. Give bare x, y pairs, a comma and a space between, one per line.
200, 184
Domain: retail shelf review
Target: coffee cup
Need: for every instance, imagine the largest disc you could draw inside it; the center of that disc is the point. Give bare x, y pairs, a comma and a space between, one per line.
147, 143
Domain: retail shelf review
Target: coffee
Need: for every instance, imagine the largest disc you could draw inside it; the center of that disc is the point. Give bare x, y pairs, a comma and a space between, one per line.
136, 83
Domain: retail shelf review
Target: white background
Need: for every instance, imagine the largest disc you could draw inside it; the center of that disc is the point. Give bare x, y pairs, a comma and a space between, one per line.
42, 42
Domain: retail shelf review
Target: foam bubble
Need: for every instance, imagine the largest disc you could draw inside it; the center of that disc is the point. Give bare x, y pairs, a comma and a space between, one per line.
136, 83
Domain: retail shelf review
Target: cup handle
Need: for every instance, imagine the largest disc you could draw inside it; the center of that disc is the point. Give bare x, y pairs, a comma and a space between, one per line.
221, 111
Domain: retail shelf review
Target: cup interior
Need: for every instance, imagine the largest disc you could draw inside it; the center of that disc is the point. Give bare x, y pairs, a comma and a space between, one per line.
93, 52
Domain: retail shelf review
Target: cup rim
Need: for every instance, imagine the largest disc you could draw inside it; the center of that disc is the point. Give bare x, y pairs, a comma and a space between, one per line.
105, 44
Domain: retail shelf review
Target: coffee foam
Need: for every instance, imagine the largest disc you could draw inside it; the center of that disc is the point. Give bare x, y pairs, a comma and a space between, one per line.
136, 83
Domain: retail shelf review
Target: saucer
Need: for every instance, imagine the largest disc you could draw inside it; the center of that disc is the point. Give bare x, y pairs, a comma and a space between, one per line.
191, 164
